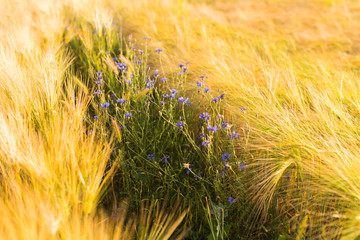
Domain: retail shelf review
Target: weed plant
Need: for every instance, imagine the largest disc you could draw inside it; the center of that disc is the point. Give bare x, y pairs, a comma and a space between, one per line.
176, 144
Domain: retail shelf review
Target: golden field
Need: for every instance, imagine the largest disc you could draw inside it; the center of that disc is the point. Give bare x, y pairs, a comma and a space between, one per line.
294, 65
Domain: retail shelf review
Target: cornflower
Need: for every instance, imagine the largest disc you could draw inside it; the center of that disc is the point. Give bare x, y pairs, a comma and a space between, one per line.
105, 105
205, 143
164, 159
234, 135
225, 124
215, 100
226, 156
205, 116
242, 166
180, 125
183, 100
151, 156
173, 90
206, 89
199, 84
121, 100
213, 129
128, 114
156, 73
163, 79
158, 50
231, 200
202, 135
287, 176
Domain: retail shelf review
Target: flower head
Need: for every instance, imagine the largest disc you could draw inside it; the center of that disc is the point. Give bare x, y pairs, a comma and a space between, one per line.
226, 156
183, 100
202, 135
151, 156
105, 105
122, 101
215, 100
233, 135
206, 89
205, 143
164, 159
128, 114
205, 116
180, 124
199, 84
242, 166
158, 50
173, 90
213, 129
231, 200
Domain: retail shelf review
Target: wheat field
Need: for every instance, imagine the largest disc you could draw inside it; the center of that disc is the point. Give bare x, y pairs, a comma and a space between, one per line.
290, 73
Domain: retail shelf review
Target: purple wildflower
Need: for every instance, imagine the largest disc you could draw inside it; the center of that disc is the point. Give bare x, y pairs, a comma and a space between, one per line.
225, 124
213, 129
202, 135
151, 156
173, 90
165, 159
205, 116
206, 143
180, 124
242, 166
105, 105
183, 100
226, 156
215, 100
122, 101
128, 114
231, 200
199, 84
234, 135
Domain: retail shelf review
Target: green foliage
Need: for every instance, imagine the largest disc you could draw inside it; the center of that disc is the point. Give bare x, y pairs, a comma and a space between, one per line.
138, 108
